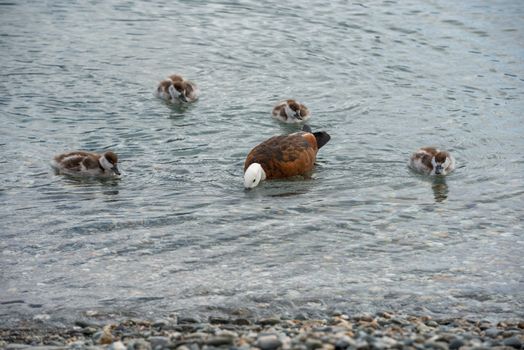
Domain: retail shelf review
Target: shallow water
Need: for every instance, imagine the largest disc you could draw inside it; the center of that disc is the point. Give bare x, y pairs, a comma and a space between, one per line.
178, 233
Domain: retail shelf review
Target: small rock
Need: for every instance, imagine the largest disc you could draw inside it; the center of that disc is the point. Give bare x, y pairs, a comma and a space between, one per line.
384, 343
361, 344
138, 344
118, 345
422, 328
160, 324
241, 322
313, 344
79, 344
183, 320
197, 336
432, 323
271, 321
301, 317
386, 315
218, 320
89, 330
455, 344
514, 342
104, 336
219, 340
436, 345
173, 317
85, 324
364, 317
15, 346
399, 321
158, 343
226, 333
483, 325
268, 342
344, 342
492, 332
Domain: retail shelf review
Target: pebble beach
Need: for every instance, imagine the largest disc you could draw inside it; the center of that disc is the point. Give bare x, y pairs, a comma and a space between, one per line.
383, 330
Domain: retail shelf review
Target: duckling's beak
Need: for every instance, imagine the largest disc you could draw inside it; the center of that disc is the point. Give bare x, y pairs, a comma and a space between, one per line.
115, 169
298, 116
438, 169
182, 97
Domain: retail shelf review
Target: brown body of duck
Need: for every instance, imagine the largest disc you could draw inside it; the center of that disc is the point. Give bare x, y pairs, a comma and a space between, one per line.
283, 156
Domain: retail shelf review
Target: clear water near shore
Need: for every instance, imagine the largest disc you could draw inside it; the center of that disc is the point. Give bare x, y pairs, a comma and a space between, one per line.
179, 234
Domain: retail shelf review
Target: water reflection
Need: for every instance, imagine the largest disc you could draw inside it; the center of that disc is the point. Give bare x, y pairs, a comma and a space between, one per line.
440, 189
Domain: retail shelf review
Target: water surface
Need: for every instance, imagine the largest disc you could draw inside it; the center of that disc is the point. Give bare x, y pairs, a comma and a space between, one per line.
178, 233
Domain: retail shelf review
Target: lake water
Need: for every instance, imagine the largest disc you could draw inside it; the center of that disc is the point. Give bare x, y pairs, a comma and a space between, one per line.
178, 233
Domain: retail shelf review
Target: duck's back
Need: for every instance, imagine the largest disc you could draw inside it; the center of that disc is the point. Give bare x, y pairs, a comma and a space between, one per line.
76, 161
285, 155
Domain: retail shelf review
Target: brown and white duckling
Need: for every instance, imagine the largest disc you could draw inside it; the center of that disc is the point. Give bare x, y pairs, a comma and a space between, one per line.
87, 163
291, 111
284, 156
176, 88
432, 161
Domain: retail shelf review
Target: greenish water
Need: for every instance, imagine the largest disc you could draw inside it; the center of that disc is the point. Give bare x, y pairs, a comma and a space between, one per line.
178, 233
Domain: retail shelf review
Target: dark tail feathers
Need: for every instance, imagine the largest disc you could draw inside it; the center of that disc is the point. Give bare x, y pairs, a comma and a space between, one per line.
321, 136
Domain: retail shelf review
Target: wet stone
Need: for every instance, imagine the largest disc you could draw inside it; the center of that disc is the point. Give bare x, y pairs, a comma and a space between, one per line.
514, 342
184, 320
399, 321
268, 342
492, 332
365, 317
182, 347
241, 322
16, 346
89, 330
432, 323
312, 344
85, 324
219, 340
455, 344
118, 345
138, 344
344, 342
435, 345
271, 321
218, 320
484, 325
160, 324
159, 343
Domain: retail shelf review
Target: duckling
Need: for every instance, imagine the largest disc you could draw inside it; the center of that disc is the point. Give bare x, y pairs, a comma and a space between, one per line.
176, 88
432, 161
291, 111
87, 163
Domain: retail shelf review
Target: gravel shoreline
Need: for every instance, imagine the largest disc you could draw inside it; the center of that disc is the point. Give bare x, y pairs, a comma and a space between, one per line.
365, 331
